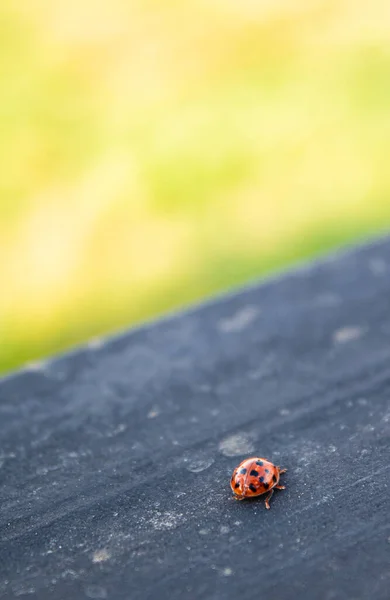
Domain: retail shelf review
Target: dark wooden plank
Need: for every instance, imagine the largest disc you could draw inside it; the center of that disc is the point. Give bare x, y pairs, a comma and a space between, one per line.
115, 460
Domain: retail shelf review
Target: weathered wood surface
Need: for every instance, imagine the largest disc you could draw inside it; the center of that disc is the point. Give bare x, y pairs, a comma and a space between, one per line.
115, 461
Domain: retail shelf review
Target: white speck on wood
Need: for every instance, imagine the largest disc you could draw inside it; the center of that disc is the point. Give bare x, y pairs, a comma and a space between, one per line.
120, 429
284, 412
153, 413
239, 321
23, 590
100, 556
166, 520
347, 334
236, 444
95, 343
362, 401
196, 465
35, 366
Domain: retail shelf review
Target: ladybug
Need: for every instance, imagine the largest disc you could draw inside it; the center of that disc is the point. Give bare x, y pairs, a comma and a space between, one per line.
254, 477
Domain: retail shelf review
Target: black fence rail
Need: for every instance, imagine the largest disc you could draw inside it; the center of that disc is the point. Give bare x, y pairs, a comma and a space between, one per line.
115, 461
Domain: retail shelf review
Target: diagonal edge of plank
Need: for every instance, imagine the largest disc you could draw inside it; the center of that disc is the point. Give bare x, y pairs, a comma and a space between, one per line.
115, 460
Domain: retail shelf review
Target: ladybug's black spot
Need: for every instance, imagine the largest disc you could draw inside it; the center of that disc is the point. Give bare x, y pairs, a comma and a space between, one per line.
253, 473
266, 485
267, 470
243, 471
252, 487
237, 484
261, 479
259, 462
274, 478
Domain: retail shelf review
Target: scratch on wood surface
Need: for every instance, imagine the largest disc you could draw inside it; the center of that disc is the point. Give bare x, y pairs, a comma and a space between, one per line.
334, 493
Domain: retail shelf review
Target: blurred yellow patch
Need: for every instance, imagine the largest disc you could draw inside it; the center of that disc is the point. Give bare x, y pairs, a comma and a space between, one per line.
157, 152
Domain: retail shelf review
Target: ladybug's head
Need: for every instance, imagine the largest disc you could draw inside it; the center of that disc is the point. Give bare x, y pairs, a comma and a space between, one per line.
239, 490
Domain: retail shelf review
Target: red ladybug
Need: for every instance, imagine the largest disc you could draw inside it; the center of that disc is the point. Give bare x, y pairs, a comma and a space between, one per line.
254, 477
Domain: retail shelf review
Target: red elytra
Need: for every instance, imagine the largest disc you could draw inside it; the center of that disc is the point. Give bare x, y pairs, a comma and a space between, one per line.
254, 477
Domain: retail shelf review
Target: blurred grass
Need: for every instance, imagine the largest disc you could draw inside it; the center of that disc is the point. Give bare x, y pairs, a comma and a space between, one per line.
153, 153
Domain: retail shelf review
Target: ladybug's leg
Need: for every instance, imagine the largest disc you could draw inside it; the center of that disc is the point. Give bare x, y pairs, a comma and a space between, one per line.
268, 498
280, 487
282, 471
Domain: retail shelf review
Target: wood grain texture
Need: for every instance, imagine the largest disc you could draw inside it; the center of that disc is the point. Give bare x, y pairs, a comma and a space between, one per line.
115, 460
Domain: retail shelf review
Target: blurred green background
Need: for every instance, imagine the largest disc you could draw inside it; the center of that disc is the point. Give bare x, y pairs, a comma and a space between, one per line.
154, 153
